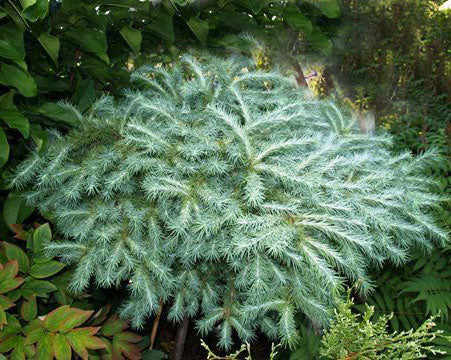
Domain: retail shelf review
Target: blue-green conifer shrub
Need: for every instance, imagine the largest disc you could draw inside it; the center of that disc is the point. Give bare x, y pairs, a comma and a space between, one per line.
230, 197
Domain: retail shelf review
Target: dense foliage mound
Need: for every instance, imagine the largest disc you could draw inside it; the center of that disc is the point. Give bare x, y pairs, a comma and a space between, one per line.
226, 194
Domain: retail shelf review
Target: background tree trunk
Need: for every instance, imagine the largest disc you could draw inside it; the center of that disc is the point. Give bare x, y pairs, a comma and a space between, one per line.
180, 338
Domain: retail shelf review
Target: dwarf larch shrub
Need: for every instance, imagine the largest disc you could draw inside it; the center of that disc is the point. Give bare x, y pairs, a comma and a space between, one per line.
226, 194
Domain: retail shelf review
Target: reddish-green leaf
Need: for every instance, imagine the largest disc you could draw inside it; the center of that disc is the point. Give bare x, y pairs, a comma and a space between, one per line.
6, 302
8, 276
113, 326
19, 350
7, 343
34, 331
19, 231
61, 347
65, 318
83, 339
29, 309
44, 350
128, 336
3, 320
86, 331
123, 344
13, 328
13, 252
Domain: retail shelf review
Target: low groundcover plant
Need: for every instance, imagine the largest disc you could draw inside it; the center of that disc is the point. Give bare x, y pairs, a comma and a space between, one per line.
228, 195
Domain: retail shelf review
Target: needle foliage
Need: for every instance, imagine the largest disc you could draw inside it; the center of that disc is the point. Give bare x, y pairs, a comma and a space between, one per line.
228, 195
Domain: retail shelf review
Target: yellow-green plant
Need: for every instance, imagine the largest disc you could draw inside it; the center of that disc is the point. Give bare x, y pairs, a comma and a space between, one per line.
354, 336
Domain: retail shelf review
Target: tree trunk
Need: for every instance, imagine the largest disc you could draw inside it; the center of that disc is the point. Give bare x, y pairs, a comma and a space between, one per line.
180, 338
299, 74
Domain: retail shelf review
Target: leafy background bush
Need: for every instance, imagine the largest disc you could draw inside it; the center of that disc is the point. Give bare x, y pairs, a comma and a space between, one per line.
39, 319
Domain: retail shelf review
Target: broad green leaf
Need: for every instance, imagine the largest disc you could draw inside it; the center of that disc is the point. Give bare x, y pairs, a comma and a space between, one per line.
320, 41
92, 40
257, 5
3, 13
19, 78
15, 211
153, 355
7, 100
40, 288
39, 136
27, 3
58, 112
41, 236
97, 69
163, 26
297, 20
133, 38
61, 281
4, 148
233, 42
199, 28
47, 84
84, 95
61, 347
8, 277
329, 8
44, 270
181, 2
44, 348
36, 11
238, 21
65, 318
29, 308
15, 120
137, 4
16, 17
14, 252
11, 42
51, 45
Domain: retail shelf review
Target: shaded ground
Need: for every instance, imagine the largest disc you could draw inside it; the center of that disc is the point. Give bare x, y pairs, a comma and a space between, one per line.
193, 349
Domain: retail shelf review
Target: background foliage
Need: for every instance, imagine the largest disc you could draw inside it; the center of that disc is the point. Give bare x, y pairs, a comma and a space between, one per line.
55, 50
